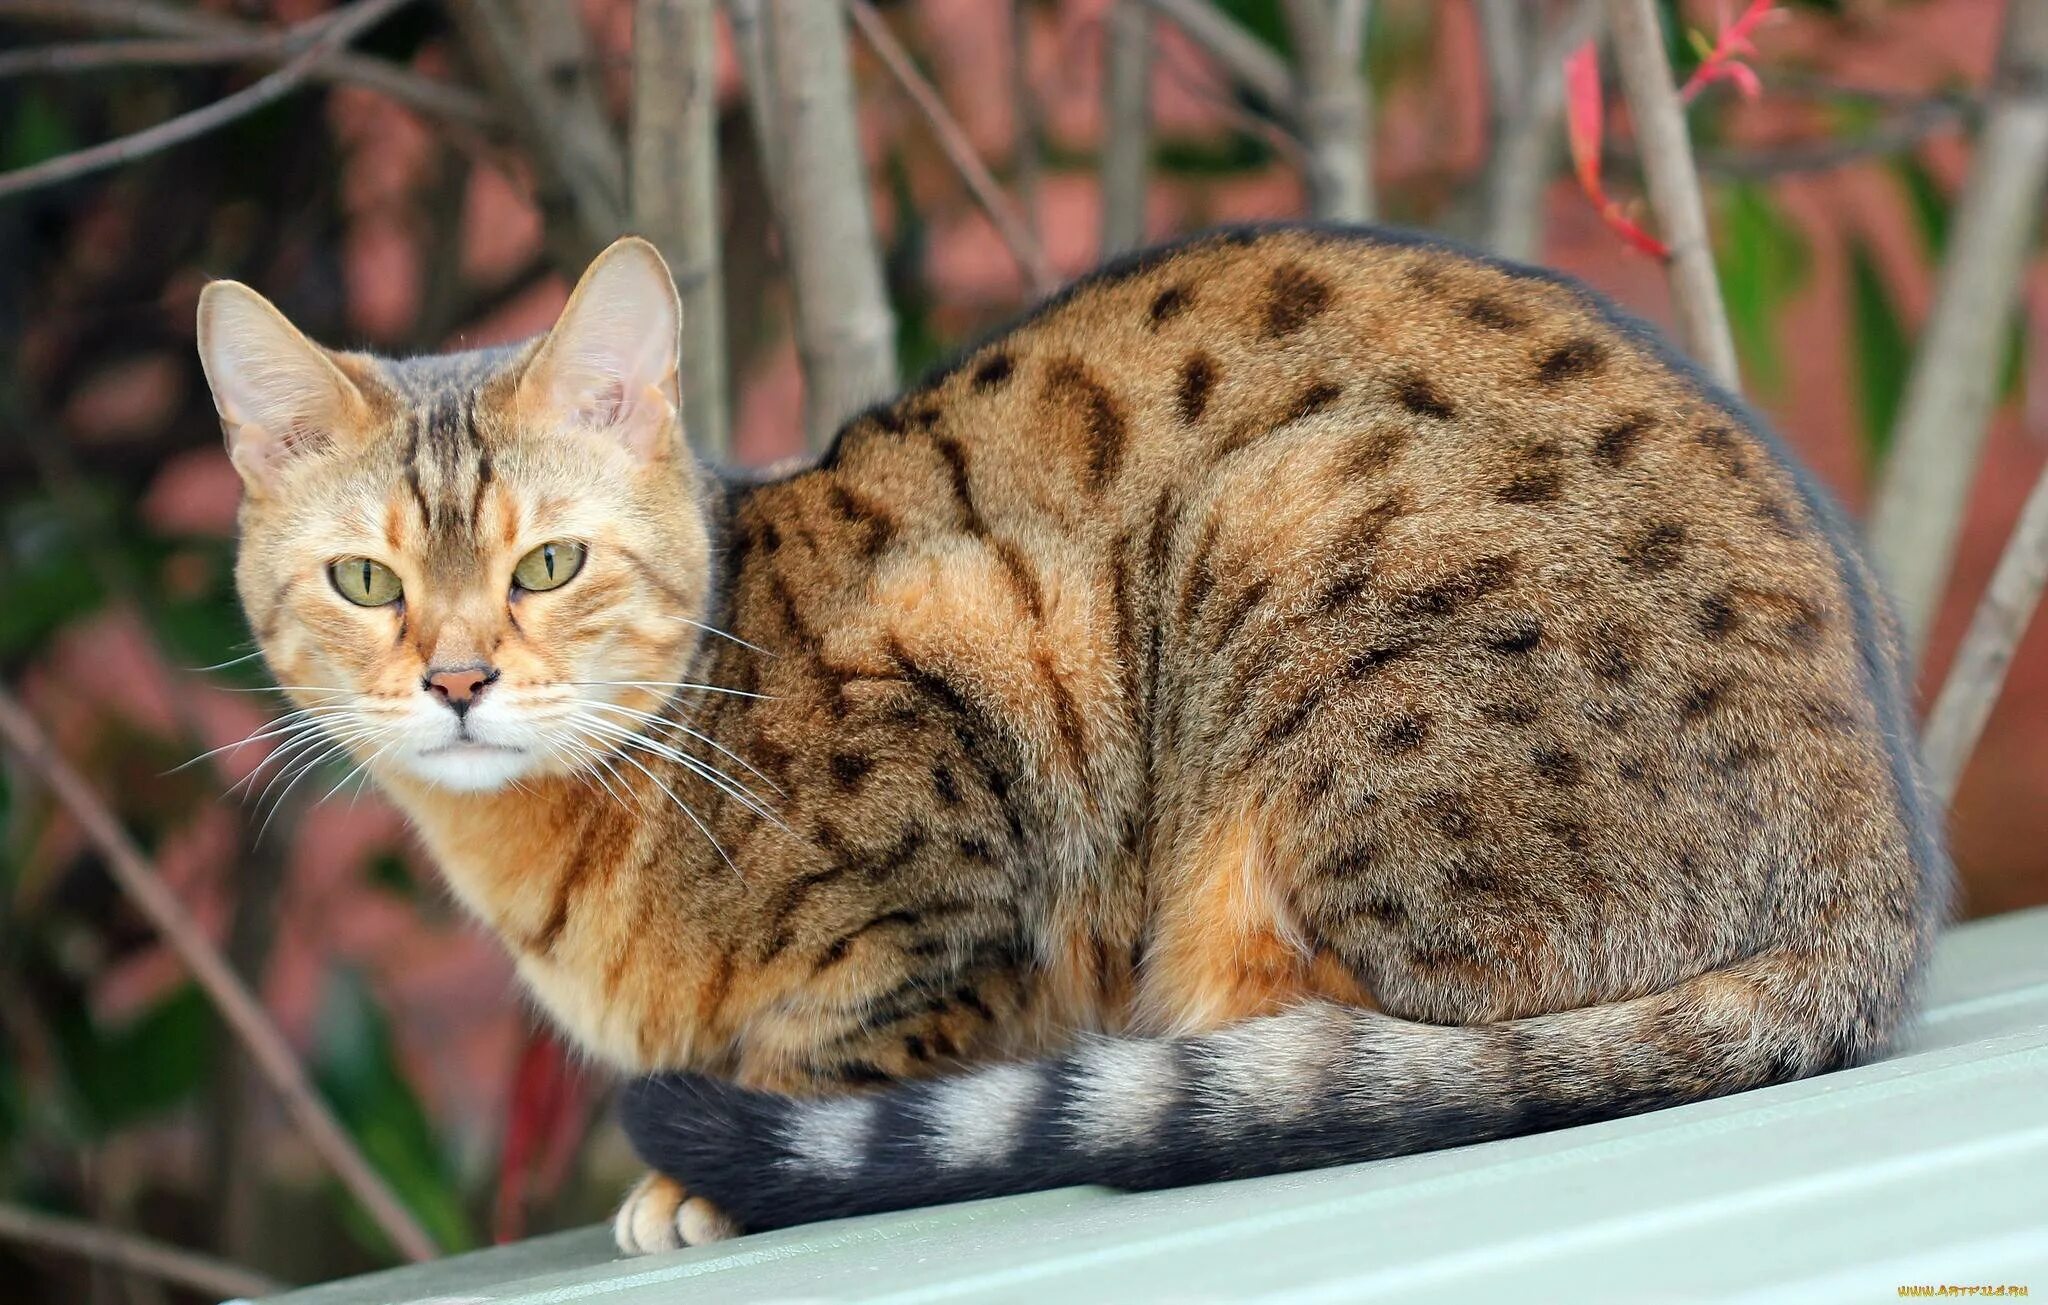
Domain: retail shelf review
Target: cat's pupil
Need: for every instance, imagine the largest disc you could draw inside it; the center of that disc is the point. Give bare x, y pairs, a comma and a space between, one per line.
366, 575
547, 557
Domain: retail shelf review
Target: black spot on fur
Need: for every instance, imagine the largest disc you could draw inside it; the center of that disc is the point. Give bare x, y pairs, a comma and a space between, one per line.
1559, 766
1520, 637
1171, 303
1070, 383
996, 370
1294, 297
1447, 596
1418, 396
1491, 312
1613, 658
1721, 442
1511, 711
1450, 812
1616, 442
1658, 548
1403, 734
944, 785
1539, 486
1314, 399
1703, 701
1365, 663
1570, 360
1718, 616
1197, 379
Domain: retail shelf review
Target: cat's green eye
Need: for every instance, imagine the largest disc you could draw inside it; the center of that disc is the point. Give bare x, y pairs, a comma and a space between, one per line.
550, 566
365, 583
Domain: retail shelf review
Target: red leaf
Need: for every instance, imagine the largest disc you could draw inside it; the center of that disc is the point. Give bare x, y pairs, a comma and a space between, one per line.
1723, 62
1582, 116
544, 1124
1585, 124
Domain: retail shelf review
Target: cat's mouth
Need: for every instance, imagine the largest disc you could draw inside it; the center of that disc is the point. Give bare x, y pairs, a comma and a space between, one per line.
468, 747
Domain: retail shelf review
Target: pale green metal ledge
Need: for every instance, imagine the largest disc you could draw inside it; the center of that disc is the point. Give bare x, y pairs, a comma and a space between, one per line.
1930, 1168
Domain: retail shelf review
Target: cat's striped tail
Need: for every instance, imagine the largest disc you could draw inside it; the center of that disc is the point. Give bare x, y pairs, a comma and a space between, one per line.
1314, 1086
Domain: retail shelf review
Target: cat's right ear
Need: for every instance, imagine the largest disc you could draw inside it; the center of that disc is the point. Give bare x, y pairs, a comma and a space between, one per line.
279, 395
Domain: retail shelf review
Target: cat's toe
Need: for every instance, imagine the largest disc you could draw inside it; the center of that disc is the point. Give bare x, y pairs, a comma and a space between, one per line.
659, 1215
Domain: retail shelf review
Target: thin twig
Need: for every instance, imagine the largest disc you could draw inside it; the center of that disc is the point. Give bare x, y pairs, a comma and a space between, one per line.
338, 30
1674, 185
238, 1007
1333, 107
423, 94
845, 329
673, 192
1978, 672
959, 151
1027, 136
1953, 384
534, 55
749, 22
1247, 59
133, 1253
1126, 126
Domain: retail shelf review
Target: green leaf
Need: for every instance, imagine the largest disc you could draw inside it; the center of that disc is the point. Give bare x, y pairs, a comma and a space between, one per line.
1929, 203
155, 1063
35, 131
1762, 262
358, 1071
1882, 351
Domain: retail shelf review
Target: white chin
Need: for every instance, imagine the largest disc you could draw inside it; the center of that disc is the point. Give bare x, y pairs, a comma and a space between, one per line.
470, 767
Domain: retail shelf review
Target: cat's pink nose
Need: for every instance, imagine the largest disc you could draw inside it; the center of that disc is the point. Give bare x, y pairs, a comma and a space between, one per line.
460, 686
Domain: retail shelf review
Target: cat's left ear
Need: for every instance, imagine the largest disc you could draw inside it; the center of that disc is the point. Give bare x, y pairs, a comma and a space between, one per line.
610, 364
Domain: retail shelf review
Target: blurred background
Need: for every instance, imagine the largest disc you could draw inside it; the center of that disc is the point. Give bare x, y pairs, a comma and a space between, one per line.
407, 208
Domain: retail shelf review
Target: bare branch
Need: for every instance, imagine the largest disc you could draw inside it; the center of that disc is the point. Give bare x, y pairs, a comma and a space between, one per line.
133, 1253
674, 187
1978, 672
535, 55
959, 151
1674, 185
846, 333
1332, 105
1250, 63
1027, 146
1953, 384
335, 32
749, 20
423, 94
1126, 126
243, 1014
1527, 71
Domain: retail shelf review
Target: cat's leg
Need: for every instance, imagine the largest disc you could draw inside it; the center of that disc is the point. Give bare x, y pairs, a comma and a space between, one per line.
659, 1214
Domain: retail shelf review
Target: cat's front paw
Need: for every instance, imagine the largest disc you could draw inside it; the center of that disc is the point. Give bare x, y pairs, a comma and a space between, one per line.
659, 1215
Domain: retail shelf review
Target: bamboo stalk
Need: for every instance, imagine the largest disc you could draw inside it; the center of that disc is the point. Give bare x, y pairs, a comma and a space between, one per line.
1332, 105
1674, 186
674, 193
1126, 126
1978, 672
1952, 387
243, 1014
846, 333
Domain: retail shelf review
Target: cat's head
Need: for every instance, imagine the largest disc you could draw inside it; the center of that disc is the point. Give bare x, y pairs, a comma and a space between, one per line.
472, 568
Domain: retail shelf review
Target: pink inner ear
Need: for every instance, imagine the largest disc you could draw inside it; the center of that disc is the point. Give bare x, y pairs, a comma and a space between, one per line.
603, 408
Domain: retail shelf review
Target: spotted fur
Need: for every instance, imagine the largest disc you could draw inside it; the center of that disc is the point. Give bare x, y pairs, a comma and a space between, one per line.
1299, 696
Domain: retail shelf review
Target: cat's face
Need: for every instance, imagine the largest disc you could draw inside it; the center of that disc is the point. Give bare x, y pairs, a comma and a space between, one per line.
469, 570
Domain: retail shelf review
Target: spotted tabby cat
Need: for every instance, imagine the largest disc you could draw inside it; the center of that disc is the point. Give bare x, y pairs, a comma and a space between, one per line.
1299, 696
